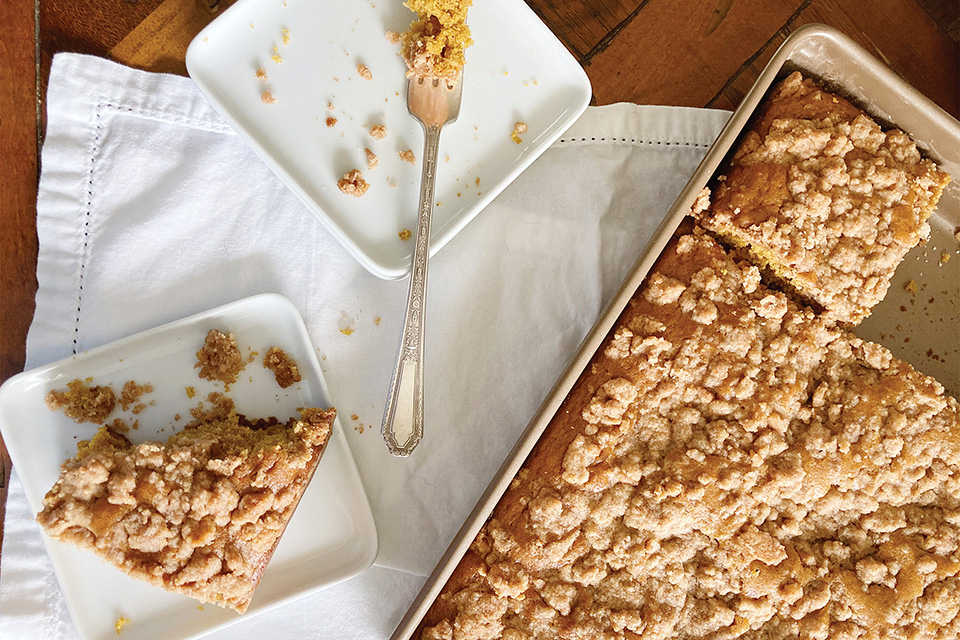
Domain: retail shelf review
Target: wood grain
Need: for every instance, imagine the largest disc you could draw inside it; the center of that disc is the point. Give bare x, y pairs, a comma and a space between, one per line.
160, 42
725, 46
18, 186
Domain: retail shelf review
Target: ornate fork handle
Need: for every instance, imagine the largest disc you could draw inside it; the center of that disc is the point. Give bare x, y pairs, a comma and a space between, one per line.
403, 414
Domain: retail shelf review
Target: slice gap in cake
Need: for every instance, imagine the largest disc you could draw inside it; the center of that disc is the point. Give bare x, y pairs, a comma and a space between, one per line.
824, 199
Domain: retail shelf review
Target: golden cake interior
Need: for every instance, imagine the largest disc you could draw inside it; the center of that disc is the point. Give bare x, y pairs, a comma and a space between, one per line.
434, 45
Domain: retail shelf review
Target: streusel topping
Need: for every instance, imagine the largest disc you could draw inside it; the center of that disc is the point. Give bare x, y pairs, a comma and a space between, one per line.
740, 468
200, 514
826, 199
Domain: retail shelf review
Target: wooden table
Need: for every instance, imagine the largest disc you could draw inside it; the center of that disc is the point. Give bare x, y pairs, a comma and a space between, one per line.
673, 52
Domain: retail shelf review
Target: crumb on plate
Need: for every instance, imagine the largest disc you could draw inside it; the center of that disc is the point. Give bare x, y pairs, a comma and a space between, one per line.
372, 159
378, 131
83, 403
518, 128
353, 184
284, 368
407, 156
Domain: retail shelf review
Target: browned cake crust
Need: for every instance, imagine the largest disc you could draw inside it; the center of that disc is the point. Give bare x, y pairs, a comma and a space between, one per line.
200, 514
825, 199
730, 465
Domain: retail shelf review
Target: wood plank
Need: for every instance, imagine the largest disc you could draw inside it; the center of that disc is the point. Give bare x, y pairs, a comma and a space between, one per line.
89, 26
946, 13
582, 24
898, 32
716, 55
159, 43
18, 184
660, 59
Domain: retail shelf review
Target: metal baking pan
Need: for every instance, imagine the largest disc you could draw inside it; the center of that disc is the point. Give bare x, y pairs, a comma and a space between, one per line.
919, 323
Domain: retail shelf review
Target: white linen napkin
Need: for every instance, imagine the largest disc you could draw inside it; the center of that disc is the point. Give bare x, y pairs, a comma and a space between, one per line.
150, 209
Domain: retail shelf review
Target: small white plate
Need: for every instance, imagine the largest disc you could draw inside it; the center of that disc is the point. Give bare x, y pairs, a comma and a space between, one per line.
516, 70
331, 536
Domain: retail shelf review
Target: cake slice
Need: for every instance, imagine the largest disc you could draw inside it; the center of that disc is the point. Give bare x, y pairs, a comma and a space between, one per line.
434, 45
199, 515
825, 199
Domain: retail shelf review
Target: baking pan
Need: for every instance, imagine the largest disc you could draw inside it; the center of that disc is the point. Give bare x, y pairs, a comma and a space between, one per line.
919, 319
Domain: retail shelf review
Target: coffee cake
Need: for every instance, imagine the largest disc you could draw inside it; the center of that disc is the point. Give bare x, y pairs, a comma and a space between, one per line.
729, 465
825, 199
200, 514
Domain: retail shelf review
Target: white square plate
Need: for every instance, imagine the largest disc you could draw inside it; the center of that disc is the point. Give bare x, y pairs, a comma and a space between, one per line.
516, 70
331, 536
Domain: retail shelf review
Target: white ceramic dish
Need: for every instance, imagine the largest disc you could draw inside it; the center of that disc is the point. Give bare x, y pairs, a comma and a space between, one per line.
331, 536
517, 70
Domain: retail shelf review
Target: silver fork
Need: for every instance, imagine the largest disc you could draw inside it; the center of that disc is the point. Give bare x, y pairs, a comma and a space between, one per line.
433, 102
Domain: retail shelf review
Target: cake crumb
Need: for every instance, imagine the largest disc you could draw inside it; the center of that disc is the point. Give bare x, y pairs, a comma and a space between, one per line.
83, 403
330, 106
378, 131
353, 184
372, 159
262, 74
911, 286
393, 37
132, 392
407, 156
364, 72
405, 234
276, 58
354, 417
219, 358
376, 321
331, 121
284, 368
286, 35
944, 258
121, 621
267, 98
518, 128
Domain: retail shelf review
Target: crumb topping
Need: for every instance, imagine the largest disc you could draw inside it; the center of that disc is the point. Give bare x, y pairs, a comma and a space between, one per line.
353, 184
200, 514
378, 131
518, 128
826, 199
372, 159
83, 403
284, 368
219, 358
738, 467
